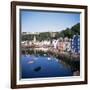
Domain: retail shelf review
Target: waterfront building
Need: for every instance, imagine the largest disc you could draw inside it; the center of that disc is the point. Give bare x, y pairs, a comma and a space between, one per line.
75, 44
67, 43
64, 45
61, 45
54, 43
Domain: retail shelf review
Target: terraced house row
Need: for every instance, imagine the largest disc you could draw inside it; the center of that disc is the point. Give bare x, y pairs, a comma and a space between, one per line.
62, 44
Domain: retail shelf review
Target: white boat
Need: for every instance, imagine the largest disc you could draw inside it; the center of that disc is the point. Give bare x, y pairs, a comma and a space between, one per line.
49, 58
30, 62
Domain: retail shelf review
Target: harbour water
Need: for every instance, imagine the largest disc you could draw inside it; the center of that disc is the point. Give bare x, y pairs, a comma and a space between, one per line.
42, 67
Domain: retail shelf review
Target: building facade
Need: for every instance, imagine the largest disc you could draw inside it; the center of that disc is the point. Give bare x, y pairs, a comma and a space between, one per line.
75, 44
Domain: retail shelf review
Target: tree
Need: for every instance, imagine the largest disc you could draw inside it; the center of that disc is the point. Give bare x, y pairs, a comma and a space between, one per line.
76, 29
68, 32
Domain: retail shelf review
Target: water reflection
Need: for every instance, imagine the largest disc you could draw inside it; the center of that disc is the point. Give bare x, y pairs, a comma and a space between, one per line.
43, 66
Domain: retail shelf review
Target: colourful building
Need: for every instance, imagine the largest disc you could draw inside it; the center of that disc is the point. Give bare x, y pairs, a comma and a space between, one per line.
75, 44
61, 45
67, 44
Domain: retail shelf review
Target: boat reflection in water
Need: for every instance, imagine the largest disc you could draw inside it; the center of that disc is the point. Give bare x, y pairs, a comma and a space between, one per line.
43, 66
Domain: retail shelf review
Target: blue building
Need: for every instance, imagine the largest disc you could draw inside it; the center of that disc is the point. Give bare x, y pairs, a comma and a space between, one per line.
75, 44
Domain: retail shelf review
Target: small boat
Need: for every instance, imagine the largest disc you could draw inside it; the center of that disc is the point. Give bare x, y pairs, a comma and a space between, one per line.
49, 58
27, 55
30, 62
45, 54
37, 69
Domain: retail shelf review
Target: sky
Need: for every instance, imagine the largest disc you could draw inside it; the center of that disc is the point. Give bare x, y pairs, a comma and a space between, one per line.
41, 21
